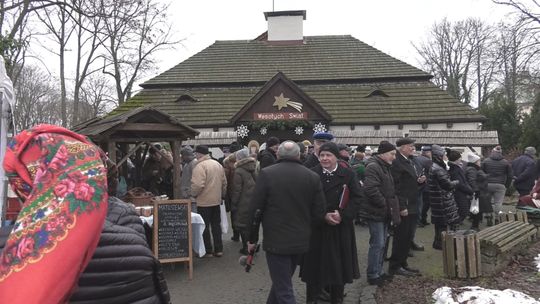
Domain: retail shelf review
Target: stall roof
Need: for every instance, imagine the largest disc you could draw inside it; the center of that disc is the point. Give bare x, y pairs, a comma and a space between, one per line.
475, 138
213, 138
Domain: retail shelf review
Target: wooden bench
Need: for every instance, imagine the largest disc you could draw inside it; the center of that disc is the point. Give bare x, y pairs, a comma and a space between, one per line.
461, 254
500, 242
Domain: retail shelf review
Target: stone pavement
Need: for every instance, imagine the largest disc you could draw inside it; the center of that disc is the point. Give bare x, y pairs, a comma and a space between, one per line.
223, 280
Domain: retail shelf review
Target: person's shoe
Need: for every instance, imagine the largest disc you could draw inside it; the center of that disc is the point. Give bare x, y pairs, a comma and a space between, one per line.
235, 238
411, 269
387, 277
403, 272
324, 296
376, 281
489, 221
208, 255
218, 254
417, 247
424, 222
410, 254
475, 228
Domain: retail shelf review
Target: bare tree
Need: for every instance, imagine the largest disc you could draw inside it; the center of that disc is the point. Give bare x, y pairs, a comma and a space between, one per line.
530, 9
97, 97
135, 31
36, 100
454, 53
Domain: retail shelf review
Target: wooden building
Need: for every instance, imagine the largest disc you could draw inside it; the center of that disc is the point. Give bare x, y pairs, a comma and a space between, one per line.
288, 85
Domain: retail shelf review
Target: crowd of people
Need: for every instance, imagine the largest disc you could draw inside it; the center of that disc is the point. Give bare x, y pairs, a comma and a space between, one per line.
307, 197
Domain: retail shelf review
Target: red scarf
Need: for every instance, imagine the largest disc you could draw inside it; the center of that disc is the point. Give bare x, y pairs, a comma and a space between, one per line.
61, 178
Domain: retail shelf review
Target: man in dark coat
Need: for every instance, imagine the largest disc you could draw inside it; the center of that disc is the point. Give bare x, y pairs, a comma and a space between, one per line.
267, 157
288, 199
332, 259
376, 209
463, 192
425, 162
406, 184
499, 174
524, 170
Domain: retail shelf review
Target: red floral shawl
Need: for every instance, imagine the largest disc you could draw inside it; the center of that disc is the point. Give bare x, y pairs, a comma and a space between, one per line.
61, 178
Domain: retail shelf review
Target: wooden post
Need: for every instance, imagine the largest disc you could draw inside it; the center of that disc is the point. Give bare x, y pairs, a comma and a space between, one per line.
177, 163
111, 149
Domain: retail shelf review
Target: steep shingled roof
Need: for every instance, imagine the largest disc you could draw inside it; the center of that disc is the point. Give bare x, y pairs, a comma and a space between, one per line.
319, 58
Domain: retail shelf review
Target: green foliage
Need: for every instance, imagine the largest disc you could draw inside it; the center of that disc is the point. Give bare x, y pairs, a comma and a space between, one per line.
278, 124
9, 47
503, 116
531, 127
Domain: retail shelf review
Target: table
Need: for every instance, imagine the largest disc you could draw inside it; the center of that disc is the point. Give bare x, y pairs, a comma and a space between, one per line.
197, 229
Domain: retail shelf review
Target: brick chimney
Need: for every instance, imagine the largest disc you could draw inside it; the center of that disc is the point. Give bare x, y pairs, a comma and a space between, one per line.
285, 26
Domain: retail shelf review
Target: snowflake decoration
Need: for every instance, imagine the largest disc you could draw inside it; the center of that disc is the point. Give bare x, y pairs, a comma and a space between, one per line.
264, 130
299, 130
242, 131
320, 127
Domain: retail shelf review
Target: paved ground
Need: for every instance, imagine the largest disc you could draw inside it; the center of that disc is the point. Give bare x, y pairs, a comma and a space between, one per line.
223, 280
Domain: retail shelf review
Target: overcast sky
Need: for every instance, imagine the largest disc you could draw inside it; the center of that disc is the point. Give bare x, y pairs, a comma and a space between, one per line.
389, 25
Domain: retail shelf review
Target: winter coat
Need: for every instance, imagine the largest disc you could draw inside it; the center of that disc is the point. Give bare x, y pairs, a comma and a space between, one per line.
291, 198
185, 179
524, 170
332, 258
441, 196
424, 164
123, 269
498, 169
208, 182
267, 158
228, 168
311, 161
243, 184
479, 184
379, 191
463, 191
405, 181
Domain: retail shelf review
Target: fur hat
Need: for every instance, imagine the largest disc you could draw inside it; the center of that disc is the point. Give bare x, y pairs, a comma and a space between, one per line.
202, 149
186, 151
385, 146
472, 158
453, 155
329, 147
437, 150
272, 141
530, 151
241, 154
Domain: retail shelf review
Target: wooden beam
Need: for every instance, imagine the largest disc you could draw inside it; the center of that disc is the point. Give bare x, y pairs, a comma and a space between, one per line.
176, 168
111, 149
130, 153
159, 127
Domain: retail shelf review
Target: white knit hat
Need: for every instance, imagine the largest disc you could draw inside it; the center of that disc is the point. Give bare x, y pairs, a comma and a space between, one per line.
472, 158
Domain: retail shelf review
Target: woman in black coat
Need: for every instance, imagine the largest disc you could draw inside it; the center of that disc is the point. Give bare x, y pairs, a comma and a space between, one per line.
332, 258
441, 196
479, 184
463, 192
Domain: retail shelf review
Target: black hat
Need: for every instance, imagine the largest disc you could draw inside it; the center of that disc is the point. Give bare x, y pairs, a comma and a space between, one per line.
453, 155
404, 141
344, 147
426, 148
385, 146
329, 147
361, 148
437, 150
202, 149
272, 141
302, 147
234, 146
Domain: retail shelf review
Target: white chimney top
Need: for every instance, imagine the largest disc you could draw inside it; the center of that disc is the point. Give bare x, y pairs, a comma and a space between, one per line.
285, 25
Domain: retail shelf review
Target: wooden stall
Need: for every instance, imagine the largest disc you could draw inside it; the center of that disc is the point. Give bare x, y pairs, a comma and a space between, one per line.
132, 133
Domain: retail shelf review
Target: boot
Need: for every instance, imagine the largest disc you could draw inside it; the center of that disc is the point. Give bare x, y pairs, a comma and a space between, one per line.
489, 220
437, 240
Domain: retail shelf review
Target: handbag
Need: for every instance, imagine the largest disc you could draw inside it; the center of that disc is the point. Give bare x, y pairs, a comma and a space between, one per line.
475, 205
224, 220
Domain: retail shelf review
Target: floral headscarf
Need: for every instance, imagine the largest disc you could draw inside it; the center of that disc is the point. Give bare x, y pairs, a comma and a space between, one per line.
61, 179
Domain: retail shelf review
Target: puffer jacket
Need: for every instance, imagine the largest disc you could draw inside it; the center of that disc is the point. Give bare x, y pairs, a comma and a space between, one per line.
243, 184
379, 191
498, 169
123, 269
463, 191
441, 196
208, 182
479, 184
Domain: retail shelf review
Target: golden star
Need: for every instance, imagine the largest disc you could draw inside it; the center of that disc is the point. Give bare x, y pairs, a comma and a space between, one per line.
281, 101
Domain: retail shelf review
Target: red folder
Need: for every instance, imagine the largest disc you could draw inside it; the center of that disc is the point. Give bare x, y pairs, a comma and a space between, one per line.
344, 199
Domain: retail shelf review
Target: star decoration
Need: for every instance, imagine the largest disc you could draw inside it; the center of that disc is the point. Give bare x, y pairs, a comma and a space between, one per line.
263, 130
299, 130
242, 131
281, 101
320, 127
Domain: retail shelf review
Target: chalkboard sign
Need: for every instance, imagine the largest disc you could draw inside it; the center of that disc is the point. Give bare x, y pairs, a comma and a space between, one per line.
172, 231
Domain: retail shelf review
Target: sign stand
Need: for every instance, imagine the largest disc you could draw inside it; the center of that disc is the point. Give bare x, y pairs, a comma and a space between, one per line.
172, 232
